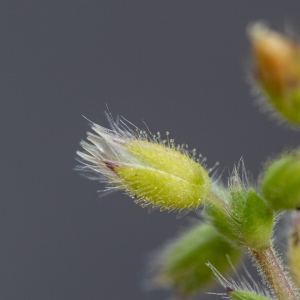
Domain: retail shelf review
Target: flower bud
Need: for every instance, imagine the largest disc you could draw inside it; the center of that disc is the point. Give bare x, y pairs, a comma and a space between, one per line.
153, 173
293, 252
276, 60
184, 261
280, 182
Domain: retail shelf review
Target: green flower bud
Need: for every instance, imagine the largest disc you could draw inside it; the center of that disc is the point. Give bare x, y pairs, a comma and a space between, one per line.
244, 295
184, 261
150, 171
243, 217
276, 60
280, 182
293, 252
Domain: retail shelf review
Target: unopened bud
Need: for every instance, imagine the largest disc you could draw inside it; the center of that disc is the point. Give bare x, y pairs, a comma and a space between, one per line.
280, 182
276, 60
152, 172
184, 262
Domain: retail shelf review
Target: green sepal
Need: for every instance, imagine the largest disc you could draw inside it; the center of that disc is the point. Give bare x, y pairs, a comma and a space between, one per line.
221, 218
184, 265
280, 183
246, 295
254, 218
245, 220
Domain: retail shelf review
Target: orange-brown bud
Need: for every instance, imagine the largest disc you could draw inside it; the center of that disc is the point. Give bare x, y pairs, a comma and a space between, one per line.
276, 60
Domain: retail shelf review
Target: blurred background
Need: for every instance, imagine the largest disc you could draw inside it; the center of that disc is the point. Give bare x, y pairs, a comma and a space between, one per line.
181, 66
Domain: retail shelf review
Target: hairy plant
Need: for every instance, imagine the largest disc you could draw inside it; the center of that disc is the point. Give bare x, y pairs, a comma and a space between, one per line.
239, 217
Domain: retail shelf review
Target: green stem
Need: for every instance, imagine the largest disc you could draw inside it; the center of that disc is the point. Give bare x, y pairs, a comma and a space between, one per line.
272, 271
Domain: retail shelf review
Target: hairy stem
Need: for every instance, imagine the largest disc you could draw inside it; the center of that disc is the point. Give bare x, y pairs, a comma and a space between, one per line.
274, 274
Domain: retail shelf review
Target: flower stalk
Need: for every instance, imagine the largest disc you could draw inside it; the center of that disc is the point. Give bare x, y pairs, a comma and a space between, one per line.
293, 251
272, 271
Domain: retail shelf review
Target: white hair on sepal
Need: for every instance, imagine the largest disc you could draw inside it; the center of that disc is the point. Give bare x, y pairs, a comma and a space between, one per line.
240, 177
125, 128
280, 230
219, 188
105, 145
247, 283
265, 107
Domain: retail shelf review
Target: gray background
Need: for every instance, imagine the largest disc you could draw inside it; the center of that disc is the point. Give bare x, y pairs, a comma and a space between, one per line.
178, 65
